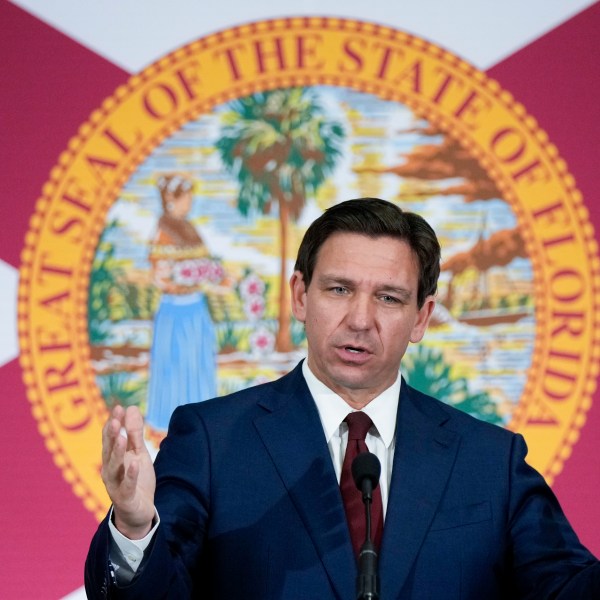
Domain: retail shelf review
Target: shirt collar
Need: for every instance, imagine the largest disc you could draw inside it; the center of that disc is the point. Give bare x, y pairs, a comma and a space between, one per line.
333, 409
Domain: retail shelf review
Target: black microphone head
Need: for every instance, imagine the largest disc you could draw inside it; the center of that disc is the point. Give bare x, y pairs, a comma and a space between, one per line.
366, 467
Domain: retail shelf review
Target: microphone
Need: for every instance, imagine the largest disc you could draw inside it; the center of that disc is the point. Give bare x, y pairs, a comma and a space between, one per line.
366, 469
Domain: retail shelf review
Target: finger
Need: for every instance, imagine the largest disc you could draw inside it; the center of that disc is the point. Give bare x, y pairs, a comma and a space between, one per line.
110, 431
134, 426
118, 412
131, 476
109, 434
114, 465
114, 446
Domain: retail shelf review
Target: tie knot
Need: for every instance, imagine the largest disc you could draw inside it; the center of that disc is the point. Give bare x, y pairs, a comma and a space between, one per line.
359, 424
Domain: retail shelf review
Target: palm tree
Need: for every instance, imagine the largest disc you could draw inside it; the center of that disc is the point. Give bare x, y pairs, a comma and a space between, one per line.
106, 281
281, 147
426, 370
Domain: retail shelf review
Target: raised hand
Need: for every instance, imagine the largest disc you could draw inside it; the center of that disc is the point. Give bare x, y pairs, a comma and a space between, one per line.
128, 472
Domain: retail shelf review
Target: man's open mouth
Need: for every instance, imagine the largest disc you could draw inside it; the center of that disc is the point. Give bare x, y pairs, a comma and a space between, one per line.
353, 349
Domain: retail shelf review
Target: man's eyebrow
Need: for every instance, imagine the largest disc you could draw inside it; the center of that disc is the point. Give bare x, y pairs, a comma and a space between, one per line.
335, 279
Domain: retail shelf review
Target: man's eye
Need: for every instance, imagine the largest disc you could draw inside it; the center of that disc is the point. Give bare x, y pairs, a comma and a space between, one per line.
390, 299
339, 290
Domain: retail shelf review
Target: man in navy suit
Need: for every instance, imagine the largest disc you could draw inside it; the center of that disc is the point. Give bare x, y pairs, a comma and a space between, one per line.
244, 500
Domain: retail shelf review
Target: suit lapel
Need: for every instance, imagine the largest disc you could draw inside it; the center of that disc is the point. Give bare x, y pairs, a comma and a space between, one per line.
423, 460
292, 433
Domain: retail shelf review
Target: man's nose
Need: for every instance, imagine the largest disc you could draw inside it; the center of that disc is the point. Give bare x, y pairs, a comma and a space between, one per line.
361, 313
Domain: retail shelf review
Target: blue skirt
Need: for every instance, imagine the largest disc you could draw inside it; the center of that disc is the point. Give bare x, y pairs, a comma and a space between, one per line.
182, 357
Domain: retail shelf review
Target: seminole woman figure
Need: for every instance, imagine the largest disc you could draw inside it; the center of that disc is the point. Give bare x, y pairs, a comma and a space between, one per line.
182, 358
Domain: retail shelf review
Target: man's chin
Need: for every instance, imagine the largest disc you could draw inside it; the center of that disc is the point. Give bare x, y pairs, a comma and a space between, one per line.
353, 380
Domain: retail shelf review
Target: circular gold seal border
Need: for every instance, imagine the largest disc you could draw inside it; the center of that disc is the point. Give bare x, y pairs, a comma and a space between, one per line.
464, 130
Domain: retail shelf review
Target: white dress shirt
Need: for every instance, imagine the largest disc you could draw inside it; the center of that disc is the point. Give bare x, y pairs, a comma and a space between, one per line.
381, 438
381, 441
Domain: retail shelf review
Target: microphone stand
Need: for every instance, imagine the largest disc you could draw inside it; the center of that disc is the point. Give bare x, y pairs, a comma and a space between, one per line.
367, 581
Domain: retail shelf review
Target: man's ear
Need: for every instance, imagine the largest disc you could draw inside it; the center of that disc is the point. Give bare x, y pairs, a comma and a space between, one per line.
298, 294
422, 320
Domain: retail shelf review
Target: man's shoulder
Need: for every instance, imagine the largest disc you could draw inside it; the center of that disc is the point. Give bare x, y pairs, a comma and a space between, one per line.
247, 399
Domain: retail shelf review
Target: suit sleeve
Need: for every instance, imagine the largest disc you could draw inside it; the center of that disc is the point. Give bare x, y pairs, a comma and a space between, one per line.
547, 557
174, 564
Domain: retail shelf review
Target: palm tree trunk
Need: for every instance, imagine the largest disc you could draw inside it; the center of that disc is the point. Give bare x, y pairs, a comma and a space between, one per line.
283, 340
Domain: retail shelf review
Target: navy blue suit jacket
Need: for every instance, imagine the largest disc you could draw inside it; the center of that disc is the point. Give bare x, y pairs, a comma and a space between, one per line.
250, 508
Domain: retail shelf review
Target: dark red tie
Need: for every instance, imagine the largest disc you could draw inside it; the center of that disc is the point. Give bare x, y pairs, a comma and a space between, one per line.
358, 425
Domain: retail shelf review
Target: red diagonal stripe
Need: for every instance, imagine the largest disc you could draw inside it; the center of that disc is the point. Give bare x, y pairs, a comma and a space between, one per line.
50, 84
557, 79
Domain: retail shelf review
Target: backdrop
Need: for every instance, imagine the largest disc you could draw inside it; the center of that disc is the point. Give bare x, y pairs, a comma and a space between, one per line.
248, 122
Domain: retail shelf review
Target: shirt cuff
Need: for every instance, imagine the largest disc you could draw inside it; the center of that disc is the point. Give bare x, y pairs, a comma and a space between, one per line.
132, 550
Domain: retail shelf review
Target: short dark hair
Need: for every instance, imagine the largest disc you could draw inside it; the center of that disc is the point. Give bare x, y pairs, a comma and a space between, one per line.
374, 217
